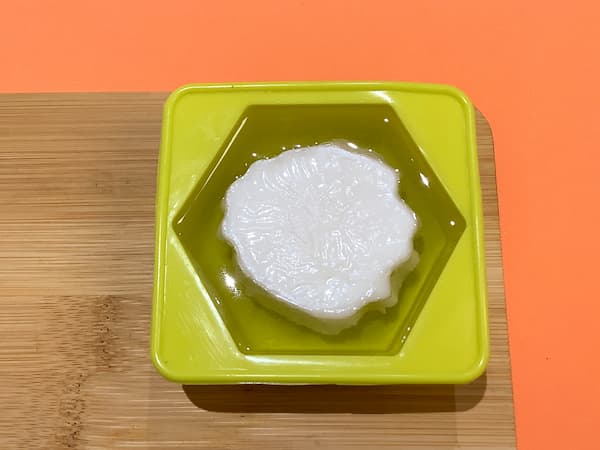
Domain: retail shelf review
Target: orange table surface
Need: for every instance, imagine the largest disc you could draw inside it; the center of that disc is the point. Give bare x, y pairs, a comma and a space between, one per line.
532, 68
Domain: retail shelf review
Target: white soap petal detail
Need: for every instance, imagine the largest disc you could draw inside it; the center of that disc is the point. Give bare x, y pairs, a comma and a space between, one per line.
320, 228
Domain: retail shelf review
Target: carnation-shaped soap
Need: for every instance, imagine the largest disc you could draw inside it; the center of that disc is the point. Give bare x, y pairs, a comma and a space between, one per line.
321, 229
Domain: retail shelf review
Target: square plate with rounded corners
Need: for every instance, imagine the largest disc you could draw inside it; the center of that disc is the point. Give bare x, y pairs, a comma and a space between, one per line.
206, 329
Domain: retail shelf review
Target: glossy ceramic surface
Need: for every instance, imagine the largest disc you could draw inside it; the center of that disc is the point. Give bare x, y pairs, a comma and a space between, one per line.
209, 327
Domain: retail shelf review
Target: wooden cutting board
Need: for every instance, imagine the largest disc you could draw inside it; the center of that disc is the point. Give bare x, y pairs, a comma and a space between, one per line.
77, 184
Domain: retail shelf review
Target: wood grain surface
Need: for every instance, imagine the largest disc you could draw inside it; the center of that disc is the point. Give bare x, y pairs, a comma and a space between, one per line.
77, 185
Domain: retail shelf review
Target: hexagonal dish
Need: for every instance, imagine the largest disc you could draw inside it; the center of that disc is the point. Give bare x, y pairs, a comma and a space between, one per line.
264, 131
209, 324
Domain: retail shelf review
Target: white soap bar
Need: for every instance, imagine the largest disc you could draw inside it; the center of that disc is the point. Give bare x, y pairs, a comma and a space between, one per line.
321, 229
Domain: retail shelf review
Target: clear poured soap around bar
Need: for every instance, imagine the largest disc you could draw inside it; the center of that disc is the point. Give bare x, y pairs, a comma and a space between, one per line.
321, 229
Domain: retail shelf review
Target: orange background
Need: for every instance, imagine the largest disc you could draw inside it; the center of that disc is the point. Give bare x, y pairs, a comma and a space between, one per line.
533, 68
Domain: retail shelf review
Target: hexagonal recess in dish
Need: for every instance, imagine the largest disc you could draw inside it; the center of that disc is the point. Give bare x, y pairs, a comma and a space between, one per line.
264, 131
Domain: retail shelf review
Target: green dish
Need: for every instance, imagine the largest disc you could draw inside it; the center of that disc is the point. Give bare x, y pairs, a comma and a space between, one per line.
208, 328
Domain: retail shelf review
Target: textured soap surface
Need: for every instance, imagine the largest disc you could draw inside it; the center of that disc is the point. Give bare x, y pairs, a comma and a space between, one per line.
320, 228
